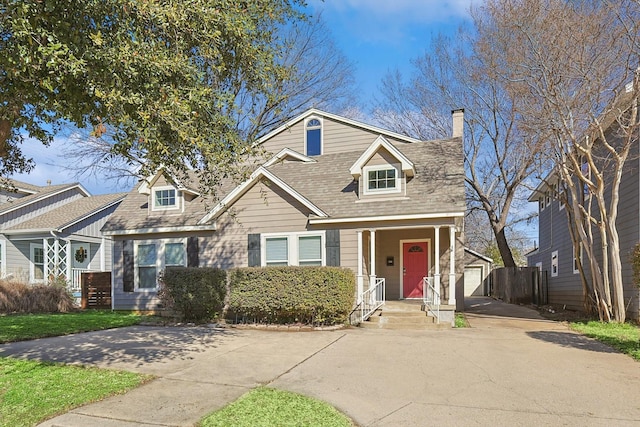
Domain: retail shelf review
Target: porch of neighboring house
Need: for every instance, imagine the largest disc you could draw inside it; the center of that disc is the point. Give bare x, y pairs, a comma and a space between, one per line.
414, 268
59, 259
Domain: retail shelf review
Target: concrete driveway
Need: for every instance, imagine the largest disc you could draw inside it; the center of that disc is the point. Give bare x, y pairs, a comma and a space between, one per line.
510, 368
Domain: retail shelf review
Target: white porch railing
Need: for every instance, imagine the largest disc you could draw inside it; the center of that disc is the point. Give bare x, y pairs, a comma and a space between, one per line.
75, 283
431, 298
370, 300
373, 298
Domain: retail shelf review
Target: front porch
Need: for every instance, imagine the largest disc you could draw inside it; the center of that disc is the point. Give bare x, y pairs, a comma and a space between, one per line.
59, 260
420, 264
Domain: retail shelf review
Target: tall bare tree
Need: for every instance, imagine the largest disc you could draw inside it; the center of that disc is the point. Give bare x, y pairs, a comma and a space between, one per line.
499, 159
570, 67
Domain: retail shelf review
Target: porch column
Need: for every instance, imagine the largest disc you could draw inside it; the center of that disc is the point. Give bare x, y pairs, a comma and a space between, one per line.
452, 265
436, 264
360, 277
103, 255
56, 258
372, 258
69, 262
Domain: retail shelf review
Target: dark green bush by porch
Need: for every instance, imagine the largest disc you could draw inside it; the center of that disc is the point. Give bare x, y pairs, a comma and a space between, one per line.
286, 295
195, 294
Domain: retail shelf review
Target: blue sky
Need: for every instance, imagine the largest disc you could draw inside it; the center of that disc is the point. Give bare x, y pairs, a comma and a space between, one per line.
377, 36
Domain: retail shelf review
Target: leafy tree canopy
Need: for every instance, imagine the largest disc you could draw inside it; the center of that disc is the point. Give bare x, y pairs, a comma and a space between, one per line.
159, 79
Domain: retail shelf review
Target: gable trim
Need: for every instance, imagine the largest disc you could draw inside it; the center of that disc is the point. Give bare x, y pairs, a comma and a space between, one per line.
406, 165
316, 112
287, 152
45, 196
148, 183
478, 254
261, 172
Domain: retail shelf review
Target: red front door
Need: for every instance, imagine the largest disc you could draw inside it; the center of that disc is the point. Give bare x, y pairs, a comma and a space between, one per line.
414, 268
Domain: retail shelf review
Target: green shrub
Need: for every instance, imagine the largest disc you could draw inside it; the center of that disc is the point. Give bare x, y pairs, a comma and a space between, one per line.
634, 259
308, 295
16, 297
195, 294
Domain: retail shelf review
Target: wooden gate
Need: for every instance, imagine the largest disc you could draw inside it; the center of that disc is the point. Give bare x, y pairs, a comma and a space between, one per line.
96, 290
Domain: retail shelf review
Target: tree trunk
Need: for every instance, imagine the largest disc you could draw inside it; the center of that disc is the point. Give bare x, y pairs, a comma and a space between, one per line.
5, 133
503, 247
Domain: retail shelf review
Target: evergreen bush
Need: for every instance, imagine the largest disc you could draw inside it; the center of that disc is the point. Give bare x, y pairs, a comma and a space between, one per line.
289, 295
195, 294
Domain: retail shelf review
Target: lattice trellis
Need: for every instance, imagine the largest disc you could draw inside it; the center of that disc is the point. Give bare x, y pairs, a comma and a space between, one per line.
56, 256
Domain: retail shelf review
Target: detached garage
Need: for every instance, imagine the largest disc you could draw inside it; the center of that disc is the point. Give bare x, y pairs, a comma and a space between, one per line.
477, 269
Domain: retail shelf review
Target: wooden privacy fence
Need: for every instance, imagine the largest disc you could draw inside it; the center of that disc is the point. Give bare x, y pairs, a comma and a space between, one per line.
520, 285
96, 290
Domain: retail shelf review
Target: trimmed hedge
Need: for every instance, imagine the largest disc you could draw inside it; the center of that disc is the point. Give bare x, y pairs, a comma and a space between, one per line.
285, 295
196, 294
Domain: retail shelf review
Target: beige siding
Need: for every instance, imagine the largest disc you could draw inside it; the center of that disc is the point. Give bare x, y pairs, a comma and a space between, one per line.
336, 138
262, 209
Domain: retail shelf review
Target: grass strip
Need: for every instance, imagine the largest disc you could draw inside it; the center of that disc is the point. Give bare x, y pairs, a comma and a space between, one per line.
460, 321
31, 392
267, 407
20, 327
621, 336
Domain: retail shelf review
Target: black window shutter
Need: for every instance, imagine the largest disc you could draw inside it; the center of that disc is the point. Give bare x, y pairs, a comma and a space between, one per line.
127, 266
254, 250
192, 252
332, 243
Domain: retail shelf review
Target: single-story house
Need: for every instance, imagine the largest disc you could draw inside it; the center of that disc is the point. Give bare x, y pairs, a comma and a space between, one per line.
53, 232
333, 192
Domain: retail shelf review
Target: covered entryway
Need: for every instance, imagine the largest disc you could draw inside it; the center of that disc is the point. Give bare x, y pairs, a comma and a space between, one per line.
415, 267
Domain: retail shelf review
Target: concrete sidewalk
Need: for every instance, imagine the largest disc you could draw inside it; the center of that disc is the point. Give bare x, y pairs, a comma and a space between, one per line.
510, 368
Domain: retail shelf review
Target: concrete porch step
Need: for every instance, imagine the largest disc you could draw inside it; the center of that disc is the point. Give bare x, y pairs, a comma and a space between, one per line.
407, 314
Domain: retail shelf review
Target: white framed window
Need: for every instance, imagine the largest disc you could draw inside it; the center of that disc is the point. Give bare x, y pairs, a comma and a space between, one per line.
164, 198
36, 263
576, 270
548, 195
153, 256
313, 137
303, 249
554, 264
541, 202
382, 179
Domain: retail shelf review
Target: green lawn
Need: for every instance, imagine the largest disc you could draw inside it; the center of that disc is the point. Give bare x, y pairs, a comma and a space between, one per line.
31, 392
621, 336
267, 407
20, 327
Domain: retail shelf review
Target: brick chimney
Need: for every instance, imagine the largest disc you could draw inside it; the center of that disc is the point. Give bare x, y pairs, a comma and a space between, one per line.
458, 123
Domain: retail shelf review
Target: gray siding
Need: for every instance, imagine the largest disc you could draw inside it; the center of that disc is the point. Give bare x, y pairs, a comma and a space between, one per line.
37, 208
92, 225
17, 259
566, 288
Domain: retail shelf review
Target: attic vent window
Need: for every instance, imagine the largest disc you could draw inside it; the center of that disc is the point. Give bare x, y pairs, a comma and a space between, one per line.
164, 198
314, 137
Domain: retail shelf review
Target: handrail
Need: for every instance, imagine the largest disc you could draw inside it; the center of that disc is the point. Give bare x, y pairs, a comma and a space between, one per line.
372, 299
431, 298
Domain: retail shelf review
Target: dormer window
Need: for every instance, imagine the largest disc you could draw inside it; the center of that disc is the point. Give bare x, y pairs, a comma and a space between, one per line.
381, 179
313, 143
164, 198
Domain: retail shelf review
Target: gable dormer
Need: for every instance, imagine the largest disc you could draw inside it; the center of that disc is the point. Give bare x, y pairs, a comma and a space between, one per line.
382, 170
165, 195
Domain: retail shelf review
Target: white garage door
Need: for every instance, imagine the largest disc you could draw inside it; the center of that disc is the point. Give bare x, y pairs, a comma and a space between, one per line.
473, 281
